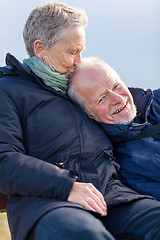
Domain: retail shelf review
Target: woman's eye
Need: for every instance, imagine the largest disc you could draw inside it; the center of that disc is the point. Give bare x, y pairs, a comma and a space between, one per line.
73, 53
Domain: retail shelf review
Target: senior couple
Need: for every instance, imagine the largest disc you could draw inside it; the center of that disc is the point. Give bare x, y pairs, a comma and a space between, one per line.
56, 162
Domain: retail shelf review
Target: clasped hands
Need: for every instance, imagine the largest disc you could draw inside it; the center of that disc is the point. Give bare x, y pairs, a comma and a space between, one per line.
88, 197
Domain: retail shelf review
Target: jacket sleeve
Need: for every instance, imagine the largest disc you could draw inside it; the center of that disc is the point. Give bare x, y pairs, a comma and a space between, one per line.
22, 174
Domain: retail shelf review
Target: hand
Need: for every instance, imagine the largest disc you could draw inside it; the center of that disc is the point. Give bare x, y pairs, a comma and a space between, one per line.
88, 197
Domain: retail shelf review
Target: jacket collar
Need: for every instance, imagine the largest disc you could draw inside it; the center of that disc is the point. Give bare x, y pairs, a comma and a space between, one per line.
142, 99
119, 133
15, 67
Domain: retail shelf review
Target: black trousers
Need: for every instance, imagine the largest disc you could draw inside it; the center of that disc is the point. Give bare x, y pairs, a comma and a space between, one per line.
136, 220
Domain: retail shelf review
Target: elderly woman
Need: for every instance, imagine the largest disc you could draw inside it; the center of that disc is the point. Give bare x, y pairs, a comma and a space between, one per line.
56, 164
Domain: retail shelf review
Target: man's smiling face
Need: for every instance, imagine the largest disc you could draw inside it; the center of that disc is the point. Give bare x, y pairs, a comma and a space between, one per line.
104, 95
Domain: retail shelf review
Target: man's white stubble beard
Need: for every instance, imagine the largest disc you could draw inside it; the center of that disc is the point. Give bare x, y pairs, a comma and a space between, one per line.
129, 120
118, 108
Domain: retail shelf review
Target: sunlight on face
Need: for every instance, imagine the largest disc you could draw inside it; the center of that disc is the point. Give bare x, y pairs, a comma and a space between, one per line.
65, 54
104, 95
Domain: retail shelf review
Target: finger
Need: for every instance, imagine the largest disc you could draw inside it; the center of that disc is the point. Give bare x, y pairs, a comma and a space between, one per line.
97, 207
86, 205
99, 203
100, 196
92, 192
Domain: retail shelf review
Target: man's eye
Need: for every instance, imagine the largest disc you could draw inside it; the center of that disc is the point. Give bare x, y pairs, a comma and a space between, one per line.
116, 86
101, 99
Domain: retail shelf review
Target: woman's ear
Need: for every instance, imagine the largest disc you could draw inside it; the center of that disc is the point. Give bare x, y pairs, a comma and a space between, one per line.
38, 49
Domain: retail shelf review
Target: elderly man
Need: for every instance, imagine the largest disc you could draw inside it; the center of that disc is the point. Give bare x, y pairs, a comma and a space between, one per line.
123, 113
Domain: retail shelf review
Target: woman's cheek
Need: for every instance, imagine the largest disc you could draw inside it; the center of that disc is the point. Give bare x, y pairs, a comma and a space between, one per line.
70, 62
66, 62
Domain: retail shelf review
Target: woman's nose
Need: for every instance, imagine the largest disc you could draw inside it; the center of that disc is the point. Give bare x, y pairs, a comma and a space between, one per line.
77, 59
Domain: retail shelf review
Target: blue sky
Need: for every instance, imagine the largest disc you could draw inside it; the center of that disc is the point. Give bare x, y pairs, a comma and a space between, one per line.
124, 33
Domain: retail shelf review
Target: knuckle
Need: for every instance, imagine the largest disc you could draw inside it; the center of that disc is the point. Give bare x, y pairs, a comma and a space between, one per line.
91, 185
97, 199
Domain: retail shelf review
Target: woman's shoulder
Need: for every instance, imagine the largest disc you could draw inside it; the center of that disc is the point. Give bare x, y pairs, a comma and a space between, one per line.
10, 81
12, 73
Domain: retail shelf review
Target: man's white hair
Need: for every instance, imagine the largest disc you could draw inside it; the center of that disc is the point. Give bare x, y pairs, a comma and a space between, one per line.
92, 63
86, 64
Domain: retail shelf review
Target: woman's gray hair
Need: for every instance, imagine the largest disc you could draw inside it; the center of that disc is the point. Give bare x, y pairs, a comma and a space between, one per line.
49, 22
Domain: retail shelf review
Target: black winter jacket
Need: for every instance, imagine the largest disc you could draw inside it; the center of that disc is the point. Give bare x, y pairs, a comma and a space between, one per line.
47, 143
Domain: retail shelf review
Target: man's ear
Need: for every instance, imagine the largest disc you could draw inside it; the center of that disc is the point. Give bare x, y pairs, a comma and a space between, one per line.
90, 116
39, 49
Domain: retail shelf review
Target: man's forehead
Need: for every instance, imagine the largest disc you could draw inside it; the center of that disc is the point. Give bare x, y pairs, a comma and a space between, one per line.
97, 76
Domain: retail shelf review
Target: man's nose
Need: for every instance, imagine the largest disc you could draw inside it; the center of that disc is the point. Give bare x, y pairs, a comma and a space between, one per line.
77, 59
116, 98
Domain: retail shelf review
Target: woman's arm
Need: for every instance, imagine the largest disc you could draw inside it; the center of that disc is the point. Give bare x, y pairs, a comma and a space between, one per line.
22, 174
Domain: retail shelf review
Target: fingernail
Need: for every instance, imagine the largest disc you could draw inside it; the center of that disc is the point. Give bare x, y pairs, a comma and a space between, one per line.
103, 213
